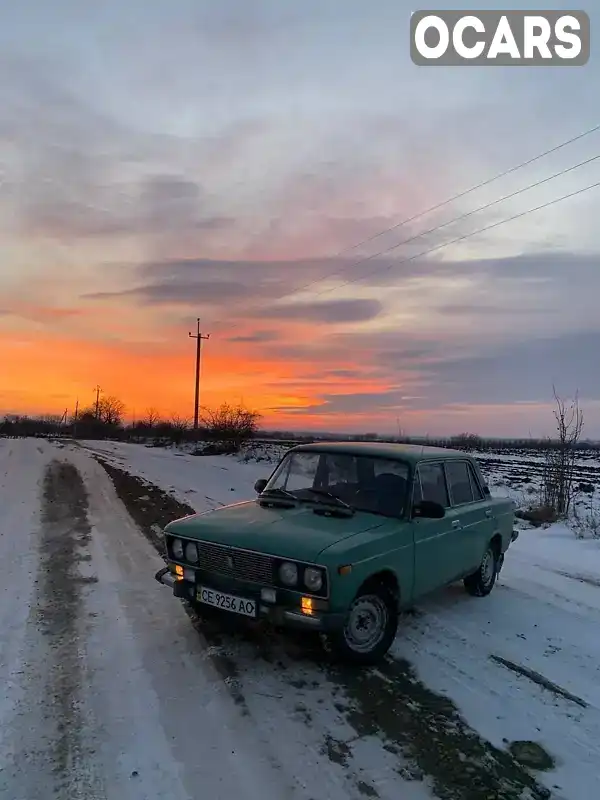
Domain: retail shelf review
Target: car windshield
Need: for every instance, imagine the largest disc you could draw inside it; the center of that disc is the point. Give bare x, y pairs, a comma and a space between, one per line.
365, 483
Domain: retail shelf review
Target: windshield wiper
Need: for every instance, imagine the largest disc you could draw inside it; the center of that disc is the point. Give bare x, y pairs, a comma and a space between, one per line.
330, 496
281, 492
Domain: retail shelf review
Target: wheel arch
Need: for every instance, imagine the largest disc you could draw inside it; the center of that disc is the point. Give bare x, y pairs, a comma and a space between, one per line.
496, 542
383, 578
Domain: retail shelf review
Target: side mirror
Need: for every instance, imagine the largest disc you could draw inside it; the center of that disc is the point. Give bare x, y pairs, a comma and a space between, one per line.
427, 509
260, 485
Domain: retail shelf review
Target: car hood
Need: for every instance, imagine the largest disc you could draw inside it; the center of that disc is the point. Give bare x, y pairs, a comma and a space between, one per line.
286, 532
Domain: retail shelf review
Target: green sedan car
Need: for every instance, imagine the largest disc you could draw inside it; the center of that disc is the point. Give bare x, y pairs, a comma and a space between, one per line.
341, 538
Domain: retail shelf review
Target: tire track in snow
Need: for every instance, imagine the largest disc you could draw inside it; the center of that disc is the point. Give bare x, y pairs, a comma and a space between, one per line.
49, 756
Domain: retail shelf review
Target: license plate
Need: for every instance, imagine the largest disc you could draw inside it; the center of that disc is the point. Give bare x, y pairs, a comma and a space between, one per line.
228, 602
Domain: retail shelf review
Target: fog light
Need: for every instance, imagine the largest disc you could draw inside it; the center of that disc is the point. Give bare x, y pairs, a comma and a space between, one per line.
306, 605
268, 595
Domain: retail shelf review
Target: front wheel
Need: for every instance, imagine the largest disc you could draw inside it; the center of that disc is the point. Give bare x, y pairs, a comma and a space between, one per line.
369, 628
481, 582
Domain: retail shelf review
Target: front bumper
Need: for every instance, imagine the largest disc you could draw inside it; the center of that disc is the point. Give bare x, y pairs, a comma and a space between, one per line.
285, 612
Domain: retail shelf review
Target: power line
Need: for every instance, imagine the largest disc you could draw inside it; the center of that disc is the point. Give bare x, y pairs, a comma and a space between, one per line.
456, 219
469, 191
434, 229
465, 236
441, 204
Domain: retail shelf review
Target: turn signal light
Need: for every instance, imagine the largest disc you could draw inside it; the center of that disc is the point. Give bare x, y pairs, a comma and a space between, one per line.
306, 605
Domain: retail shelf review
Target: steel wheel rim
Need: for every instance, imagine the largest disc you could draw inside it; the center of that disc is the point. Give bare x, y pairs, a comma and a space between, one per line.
366, 623
488, 567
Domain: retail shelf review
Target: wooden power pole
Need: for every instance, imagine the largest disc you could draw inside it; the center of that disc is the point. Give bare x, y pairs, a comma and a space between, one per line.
198, 337
97, 390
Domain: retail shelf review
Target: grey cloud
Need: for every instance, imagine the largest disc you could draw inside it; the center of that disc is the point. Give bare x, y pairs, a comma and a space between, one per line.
524, 371
257, 337
344, 373
269, 279
172, 293
521, 373
486, 310
243, 25
326, 312
255, 274
353, 403
172, 203
70, 198
74, 173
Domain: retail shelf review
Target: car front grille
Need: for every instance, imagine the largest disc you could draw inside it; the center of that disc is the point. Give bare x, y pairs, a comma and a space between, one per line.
241, 564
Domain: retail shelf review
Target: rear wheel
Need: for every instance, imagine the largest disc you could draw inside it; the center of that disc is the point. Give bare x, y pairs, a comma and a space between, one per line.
369, 628
481, 582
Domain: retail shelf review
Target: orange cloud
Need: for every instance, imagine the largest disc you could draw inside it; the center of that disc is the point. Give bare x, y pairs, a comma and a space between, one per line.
49, 373
38, 313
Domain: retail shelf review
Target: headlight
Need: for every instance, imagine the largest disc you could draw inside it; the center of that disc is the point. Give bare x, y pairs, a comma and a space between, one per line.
288, 573
191, 552
177, 547
313, 579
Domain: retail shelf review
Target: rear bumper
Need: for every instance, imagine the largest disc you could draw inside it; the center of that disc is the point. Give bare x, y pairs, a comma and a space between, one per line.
281, 614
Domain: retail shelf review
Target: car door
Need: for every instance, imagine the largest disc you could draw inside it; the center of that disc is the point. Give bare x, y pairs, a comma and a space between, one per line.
434, 539
471, 514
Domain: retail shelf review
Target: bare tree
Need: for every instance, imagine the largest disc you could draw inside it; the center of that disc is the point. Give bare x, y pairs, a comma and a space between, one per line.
151, 417
180, 423
111, 410
470, 440
230, 425
558, 472
178, 428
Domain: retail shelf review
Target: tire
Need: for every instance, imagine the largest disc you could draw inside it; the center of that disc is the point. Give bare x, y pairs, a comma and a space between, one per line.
481, 582
378, 606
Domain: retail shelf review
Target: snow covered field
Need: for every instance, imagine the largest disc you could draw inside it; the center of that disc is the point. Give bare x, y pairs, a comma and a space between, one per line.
112, 692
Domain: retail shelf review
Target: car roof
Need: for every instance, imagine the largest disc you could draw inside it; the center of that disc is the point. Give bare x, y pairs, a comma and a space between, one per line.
403, 452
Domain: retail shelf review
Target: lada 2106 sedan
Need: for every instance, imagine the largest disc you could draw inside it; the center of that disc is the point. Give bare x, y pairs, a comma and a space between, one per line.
341, 538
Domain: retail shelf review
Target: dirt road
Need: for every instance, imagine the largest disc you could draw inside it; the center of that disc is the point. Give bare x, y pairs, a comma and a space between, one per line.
112, 692
107, 691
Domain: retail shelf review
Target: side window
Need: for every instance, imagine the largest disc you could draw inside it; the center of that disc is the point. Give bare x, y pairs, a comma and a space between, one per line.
460, 482
430, 484
477, 492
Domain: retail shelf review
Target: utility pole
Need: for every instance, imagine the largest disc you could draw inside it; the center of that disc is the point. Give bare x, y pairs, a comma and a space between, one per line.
198, 337
76, 417
97, 390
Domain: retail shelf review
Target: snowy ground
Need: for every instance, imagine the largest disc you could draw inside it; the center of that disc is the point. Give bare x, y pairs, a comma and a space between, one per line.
112, 692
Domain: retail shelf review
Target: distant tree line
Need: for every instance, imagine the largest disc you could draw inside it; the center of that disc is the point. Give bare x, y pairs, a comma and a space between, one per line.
226, 427
229, 426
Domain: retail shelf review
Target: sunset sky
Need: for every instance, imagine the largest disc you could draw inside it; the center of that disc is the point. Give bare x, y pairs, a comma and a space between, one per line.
164, 160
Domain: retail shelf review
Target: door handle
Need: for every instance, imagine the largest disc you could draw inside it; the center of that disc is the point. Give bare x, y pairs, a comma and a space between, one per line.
488, 513
456, 523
